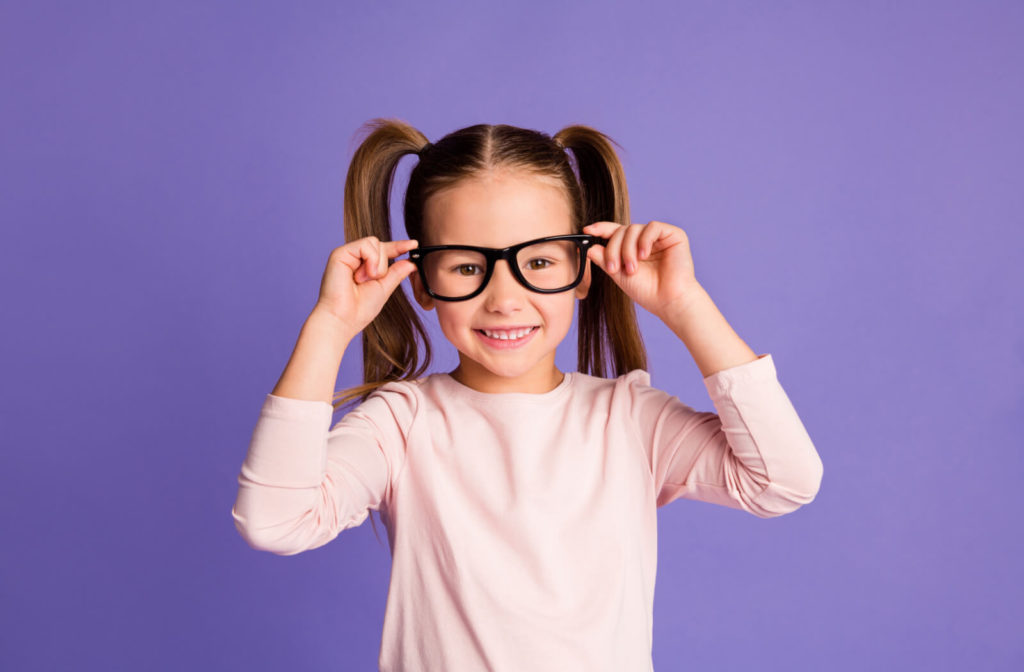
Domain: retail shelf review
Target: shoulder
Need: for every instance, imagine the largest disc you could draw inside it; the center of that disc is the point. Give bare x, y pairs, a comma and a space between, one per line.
626, 390
635, 378
396, 402
400, 391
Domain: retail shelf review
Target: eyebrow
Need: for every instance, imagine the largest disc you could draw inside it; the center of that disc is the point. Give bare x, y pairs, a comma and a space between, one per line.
519, 242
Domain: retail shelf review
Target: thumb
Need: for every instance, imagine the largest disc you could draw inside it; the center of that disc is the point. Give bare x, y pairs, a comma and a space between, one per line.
397, 272
596, 255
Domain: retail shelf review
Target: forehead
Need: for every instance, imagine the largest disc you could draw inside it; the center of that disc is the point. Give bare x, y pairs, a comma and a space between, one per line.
497, 209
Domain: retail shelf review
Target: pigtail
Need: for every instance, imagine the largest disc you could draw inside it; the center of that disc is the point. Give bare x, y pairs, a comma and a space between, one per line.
607, 328
392, 340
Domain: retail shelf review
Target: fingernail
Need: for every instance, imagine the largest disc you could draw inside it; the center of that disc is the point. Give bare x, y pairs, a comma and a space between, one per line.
630, 267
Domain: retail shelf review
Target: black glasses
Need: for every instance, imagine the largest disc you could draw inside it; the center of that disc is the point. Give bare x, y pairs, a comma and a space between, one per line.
545, 265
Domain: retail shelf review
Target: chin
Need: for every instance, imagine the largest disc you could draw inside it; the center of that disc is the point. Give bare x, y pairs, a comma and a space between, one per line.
510, 373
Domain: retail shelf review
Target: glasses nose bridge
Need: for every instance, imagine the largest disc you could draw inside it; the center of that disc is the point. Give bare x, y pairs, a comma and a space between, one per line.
507, 255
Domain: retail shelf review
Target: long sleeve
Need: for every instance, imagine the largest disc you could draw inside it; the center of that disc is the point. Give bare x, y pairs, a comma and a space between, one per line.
303, 482
754, 454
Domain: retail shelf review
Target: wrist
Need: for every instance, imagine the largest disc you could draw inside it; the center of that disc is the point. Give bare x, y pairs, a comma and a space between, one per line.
327, 323
681, 310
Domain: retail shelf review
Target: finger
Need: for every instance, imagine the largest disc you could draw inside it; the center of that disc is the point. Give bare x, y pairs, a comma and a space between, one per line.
362, 273
393, 249
348, 255
396, 248
382, 261
612, 250
372, 262
602, 229
629, 253
398, 271
366, 252
651, 233
596, 255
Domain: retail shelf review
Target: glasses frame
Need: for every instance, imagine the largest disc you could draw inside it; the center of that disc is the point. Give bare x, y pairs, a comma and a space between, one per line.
493, 254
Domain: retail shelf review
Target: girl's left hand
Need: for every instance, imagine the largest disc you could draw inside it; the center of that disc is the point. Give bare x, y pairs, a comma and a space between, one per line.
650, 262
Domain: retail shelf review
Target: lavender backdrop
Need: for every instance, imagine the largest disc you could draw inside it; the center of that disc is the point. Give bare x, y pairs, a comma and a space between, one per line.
849, 175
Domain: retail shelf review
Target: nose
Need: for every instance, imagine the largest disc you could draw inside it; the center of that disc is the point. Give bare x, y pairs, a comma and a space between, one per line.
503, 293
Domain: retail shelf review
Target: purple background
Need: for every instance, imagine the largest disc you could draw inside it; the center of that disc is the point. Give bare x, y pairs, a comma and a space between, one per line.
850, 178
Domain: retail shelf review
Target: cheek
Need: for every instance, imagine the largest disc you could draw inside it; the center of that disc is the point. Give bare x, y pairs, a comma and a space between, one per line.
451, 317
560, 312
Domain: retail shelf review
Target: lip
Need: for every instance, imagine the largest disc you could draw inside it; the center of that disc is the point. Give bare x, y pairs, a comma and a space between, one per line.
507, 344
508, 327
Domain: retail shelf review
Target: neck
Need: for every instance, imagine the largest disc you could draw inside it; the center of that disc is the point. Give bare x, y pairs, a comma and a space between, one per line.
537, 382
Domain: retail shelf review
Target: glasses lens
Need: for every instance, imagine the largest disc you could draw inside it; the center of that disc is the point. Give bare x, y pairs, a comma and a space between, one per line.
550, 265
454, 273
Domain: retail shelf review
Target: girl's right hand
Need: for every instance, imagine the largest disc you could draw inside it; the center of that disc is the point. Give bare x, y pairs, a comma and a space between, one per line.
358, 279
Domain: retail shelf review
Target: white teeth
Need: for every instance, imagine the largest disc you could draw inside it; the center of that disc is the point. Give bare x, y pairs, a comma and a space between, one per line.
513, 335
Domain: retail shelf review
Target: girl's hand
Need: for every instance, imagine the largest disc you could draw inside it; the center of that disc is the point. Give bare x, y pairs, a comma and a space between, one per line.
358, 280
650, 262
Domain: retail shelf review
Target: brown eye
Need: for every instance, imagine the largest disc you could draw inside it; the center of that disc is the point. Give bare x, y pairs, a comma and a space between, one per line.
538, 264
467, 269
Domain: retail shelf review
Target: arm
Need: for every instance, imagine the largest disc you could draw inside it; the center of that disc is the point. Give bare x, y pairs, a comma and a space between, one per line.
754, 454
312, 369
302, 482
712, 343
757, 455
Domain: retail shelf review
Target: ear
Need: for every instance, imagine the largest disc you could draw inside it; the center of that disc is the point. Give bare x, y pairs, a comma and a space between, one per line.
425, 300
584, 286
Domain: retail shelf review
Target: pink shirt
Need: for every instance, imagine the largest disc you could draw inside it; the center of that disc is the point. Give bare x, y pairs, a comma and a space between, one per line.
522, 527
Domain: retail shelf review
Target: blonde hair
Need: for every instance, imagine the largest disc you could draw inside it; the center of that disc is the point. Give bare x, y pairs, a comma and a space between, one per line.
595, 185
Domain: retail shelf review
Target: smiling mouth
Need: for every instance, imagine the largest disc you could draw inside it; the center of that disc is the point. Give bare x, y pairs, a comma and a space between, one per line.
508, 334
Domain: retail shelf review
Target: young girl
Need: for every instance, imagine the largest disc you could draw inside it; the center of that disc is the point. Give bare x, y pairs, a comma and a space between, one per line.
519, 500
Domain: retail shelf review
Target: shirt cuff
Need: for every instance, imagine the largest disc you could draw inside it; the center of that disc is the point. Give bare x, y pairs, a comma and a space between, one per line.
721, 383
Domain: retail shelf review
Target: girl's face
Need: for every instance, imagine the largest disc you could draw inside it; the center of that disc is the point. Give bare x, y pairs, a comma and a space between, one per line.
498, 210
